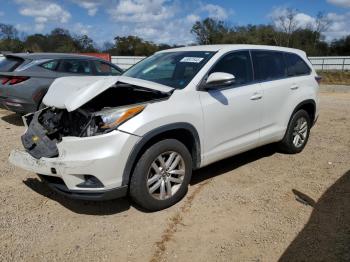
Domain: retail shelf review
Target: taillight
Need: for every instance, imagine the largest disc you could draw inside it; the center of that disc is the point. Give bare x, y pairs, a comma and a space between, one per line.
4, 80
318, 79
13, 80
18, 79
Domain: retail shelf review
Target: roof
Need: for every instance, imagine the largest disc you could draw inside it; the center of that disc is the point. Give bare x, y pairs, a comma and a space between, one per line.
35, 56
216, 48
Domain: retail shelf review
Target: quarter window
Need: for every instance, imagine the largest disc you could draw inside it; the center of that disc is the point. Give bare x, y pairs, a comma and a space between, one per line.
296, 65
237, 64
52, 65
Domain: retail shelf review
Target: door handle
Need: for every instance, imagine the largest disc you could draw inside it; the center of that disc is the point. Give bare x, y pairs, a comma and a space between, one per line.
294, 87
256, 96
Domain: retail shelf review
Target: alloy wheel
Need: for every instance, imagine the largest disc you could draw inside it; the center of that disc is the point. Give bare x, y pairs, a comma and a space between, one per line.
300, 132
166, 175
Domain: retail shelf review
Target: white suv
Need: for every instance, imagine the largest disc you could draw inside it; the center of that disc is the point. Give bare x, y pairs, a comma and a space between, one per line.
144, 132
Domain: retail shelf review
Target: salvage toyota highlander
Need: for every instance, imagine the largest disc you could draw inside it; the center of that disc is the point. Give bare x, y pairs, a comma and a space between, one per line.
144, 132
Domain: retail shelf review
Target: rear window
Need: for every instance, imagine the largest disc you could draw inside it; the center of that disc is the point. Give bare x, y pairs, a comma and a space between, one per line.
9, 64
268, 65
296, 65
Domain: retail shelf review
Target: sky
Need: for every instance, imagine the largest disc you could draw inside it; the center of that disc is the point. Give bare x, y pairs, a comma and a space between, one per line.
163, 21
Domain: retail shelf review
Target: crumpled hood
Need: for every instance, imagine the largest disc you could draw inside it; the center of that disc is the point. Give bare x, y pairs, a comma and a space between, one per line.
74, 91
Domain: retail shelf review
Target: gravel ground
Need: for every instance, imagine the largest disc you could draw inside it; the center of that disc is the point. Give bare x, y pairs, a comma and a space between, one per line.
240, 209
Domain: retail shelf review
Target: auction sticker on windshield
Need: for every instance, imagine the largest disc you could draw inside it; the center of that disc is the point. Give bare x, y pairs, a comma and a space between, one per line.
191, 60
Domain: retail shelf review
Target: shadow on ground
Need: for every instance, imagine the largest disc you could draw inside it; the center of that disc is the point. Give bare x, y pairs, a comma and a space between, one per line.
326, 236
13, 119
121, 205
79, 206
232, 163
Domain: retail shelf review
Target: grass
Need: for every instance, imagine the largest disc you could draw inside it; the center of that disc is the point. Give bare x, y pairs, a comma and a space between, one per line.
335, 77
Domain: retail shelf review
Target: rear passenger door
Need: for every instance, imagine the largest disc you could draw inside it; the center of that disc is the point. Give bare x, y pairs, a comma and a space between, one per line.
232, 115
271, 71
69, 67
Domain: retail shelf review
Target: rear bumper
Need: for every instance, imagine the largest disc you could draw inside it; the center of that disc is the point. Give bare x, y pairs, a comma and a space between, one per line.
17, 105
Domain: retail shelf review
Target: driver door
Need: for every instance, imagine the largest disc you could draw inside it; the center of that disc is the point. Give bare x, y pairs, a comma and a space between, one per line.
232, 115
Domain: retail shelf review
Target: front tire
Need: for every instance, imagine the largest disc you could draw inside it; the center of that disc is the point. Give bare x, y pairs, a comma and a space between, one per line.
297, 133
161, 175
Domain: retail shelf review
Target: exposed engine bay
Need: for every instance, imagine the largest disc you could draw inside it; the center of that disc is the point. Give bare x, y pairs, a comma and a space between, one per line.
100, 115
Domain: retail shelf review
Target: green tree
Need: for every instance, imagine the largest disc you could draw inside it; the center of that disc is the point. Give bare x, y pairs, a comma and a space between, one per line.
133, 46
85, 44
9, 40
60, 40
209, 31
36, 43
341, 46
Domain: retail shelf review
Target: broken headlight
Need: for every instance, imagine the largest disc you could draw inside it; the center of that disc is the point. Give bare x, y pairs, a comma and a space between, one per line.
112, 118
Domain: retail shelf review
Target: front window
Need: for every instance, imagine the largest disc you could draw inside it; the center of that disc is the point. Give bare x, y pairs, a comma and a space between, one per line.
175, 69
104, 69
237, 64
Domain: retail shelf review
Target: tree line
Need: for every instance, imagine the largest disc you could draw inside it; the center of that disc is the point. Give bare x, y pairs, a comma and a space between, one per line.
62, 41
284, 32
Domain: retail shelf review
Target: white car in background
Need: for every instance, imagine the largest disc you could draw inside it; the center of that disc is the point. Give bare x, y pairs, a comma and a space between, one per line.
181, 109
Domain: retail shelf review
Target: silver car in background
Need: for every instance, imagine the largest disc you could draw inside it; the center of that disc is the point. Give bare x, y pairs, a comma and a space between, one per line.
26, 77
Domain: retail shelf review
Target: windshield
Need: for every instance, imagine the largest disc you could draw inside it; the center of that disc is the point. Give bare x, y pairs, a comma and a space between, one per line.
175, 69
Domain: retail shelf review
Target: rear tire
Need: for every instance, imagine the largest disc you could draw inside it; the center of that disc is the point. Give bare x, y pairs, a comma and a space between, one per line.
161, 175
297, 133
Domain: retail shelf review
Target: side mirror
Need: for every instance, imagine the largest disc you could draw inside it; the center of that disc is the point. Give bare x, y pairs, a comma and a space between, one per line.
219, 79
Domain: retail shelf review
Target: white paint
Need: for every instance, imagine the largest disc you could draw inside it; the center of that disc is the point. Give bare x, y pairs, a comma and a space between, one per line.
219, 76
101, 156
228, 121
74, 91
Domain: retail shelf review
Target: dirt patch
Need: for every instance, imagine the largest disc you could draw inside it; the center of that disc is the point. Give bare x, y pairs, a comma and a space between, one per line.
175, 221
247, 212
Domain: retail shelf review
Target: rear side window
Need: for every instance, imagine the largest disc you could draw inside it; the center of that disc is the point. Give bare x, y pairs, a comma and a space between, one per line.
103, 68
74, 66
296, 65
237, 64
51, 65
9, 64
268, 65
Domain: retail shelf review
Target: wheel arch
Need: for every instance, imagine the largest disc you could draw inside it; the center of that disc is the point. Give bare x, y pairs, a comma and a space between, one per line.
309, 106
184, 132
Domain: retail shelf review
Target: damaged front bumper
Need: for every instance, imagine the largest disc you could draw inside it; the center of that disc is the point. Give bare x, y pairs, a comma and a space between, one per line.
102, 158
